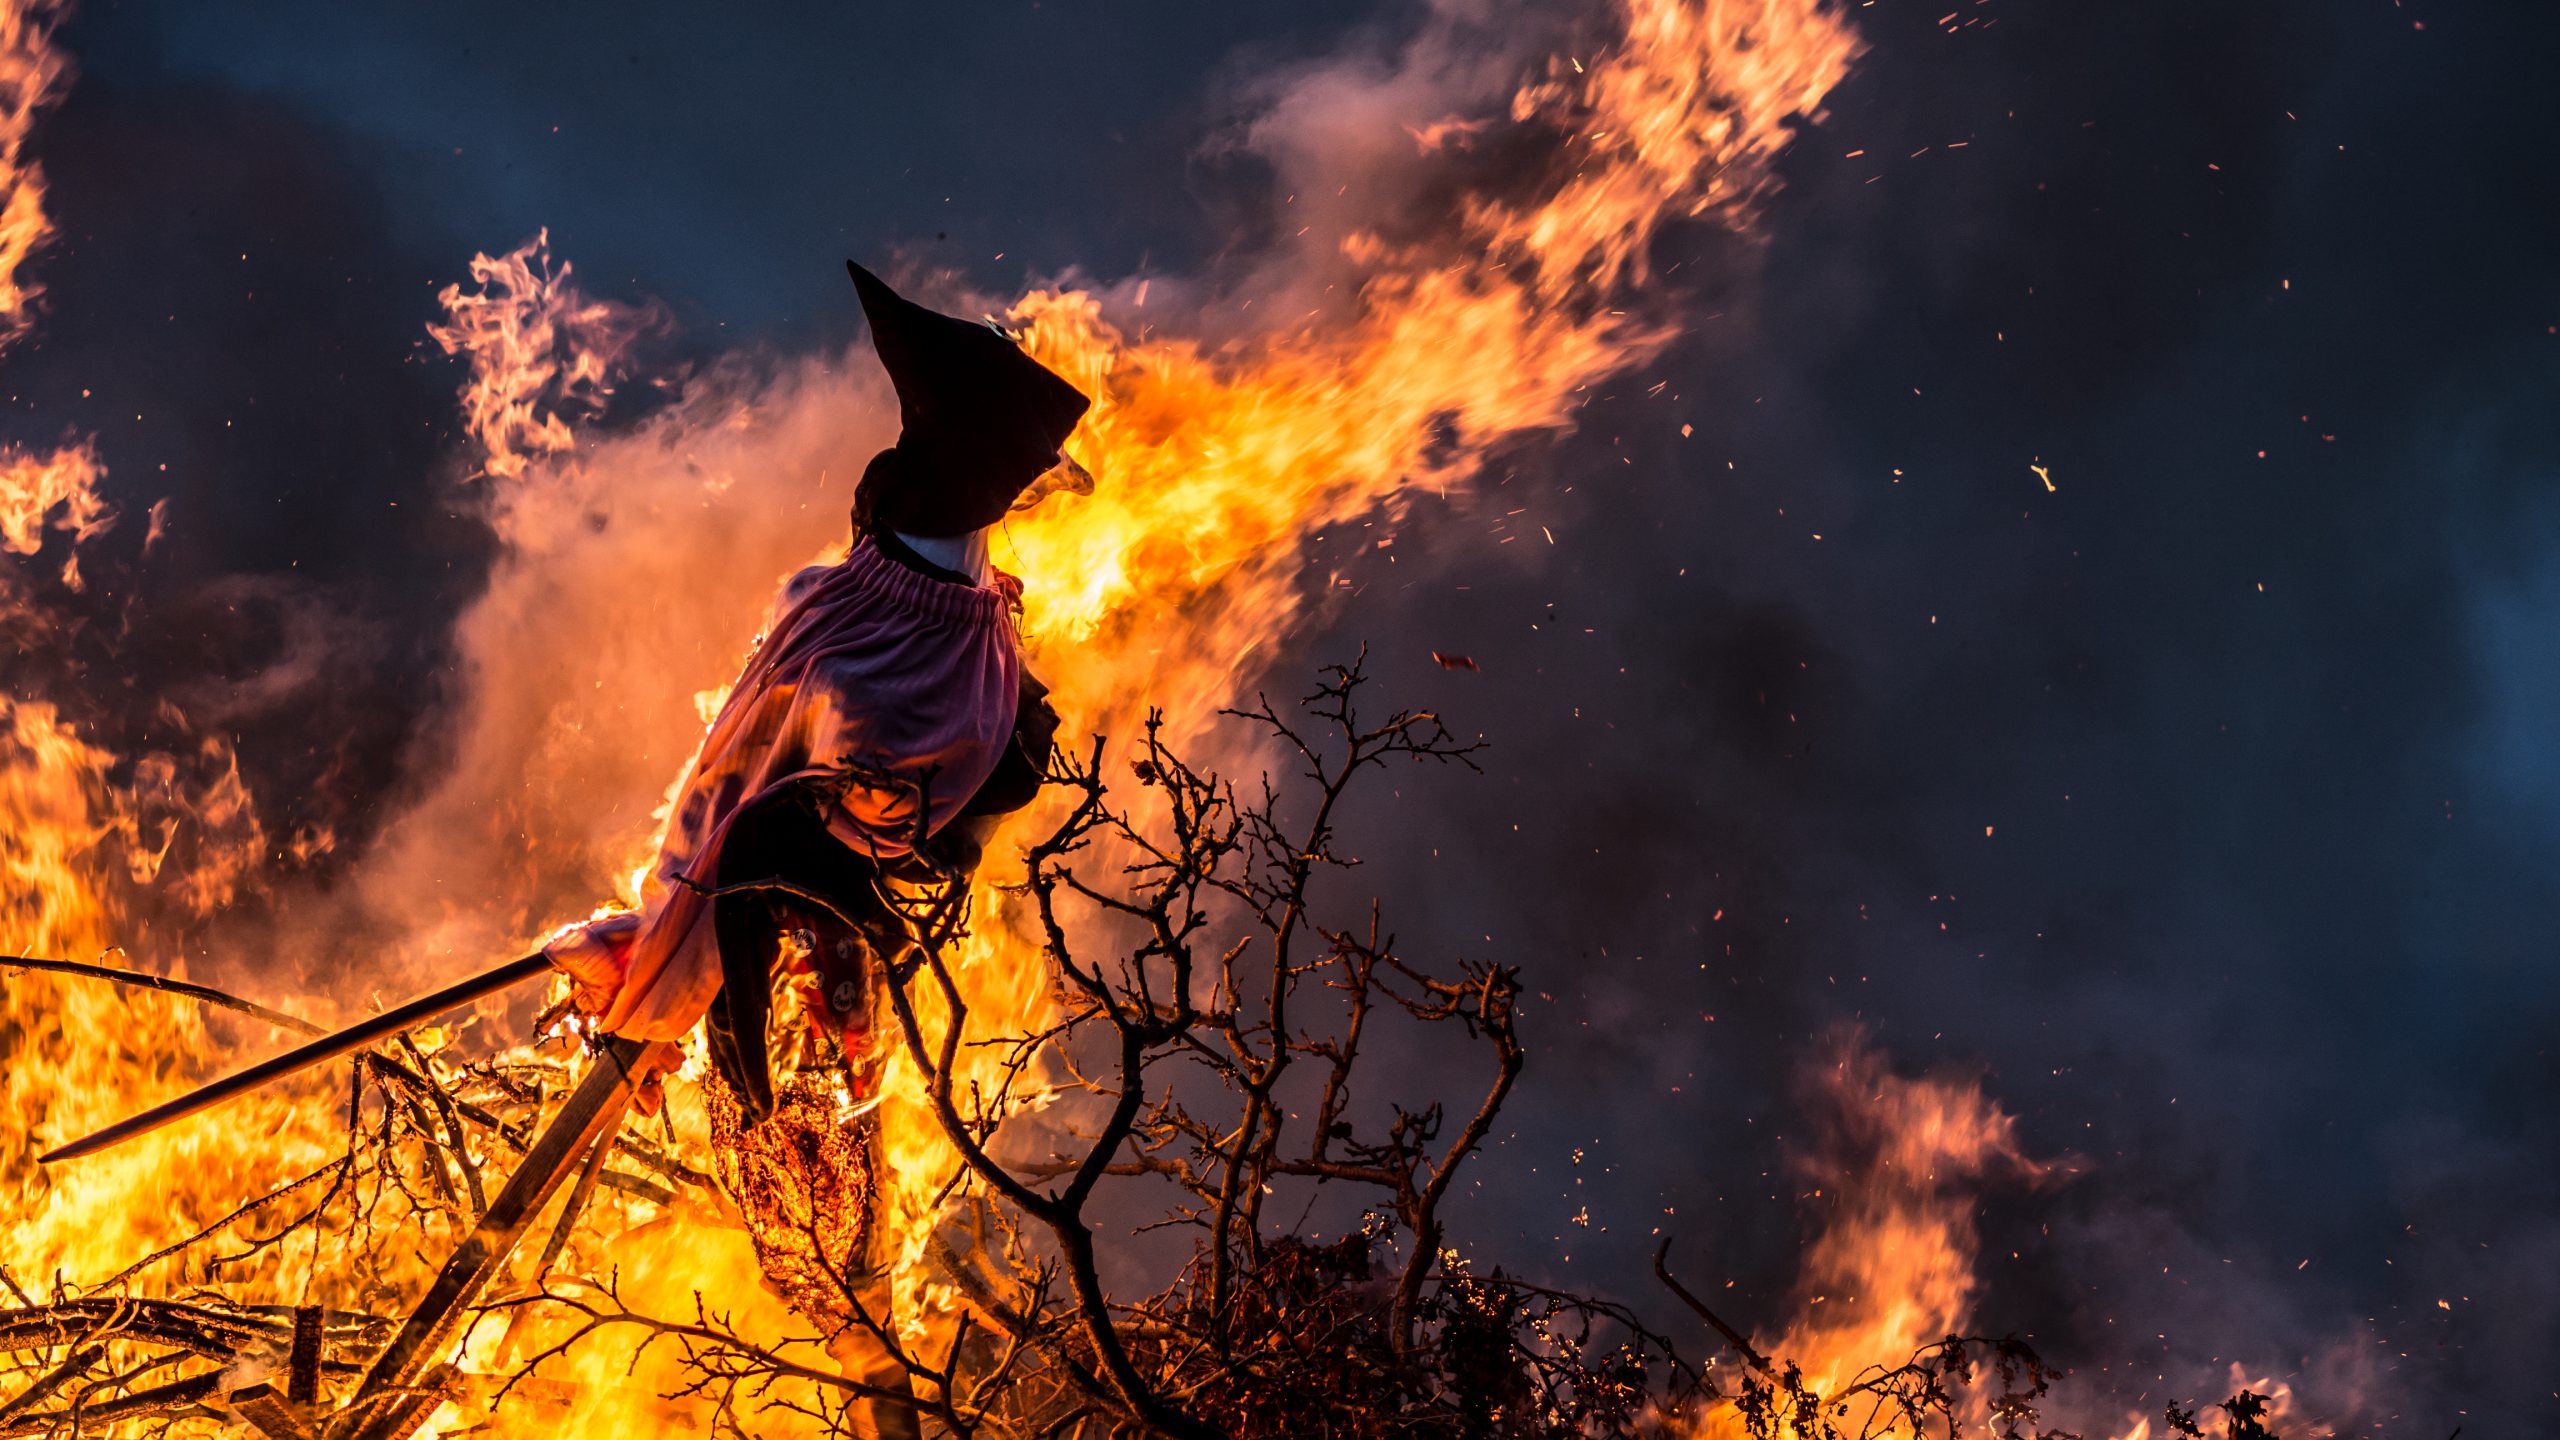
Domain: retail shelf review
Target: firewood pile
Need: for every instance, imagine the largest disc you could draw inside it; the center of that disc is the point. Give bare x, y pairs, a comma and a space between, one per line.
179, 1342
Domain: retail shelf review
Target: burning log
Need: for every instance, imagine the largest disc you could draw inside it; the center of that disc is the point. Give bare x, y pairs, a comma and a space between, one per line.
304, 1363
173, 1399
90, 1328
198, 1329
288, 1414
275, 1413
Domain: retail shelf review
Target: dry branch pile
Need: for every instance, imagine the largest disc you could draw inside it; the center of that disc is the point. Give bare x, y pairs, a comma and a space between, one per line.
1200, 1088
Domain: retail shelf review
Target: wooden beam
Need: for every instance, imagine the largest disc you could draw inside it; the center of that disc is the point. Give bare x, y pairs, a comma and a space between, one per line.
275, 1416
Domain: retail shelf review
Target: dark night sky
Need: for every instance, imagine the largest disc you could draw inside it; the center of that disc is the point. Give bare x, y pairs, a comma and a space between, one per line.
2206, 806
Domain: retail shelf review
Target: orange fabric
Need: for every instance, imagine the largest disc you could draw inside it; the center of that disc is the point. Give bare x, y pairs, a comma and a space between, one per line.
868, 663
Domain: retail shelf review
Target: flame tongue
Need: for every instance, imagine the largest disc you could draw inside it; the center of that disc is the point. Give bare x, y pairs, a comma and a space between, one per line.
32, 72
1895, 1178
1220, 460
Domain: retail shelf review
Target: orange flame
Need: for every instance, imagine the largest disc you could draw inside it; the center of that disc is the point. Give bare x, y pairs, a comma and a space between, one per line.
32, 74
79, 1054
1894, 1178
538, 350
84, 841
61, 487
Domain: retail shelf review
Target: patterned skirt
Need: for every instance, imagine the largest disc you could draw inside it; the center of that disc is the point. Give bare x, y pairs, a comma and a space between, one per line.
804, 1177
804, 1181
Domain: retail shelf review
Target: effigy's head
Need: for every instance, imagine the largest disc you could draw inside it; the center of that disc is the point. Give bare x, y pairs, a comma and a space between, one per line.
980, 420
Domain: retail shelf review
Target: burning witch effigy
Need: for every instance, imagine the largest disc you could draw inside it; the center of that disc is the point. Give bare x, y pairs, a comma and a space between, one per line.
883, 725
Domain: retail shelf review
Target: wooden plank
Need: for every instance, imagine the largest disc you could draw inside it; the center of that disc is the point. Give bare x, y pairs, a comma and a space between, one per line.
396, 1414
275, 1416
303, 1367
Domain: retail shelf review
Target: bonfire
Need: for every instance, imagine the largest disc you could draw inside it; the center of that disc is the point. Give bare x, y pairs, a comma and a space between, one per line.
1145, 1009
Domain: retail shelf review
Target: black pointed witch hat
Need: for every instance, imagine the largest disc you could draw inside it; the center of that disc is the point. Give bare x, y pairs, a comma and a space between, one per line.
980, 420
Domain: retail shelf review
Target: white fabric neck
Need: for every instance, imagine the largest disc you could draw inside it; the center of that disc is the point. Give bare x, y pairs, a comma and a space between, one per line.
966, 554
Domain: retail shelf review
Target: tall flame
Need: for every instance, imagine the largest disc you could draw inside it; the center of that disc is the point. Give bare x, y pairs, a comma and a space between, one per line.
78, 1053
32, 73
60, 488
1893, 1180
1219, 460
100, 851
1897, 1176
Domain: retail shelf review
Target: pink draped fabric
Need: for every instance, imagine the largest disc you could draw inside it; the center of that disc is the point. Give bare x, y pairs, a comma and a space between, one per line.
868, 663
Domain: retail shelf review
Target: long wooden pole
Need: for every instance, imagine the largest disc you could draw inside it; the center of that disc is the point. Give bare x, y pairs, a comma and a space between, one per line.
399, 1391
292, 1062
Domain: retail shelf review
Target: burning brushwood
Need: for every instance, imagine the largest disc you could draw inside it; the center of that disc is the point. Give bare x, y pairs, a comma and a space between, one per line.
83, 1391
1229, 1068
401, 1389
398, 1365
